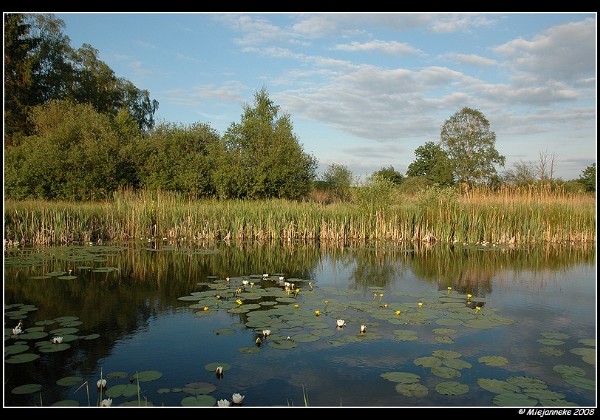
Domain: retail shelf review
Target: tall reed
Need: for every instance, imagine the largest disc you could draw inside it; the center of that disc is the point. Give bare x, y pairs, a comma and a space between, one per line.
505, 217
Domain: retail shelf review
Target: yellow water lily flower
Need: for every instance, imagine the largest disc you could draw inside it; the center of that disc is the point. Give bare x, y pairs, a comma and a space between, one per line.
397, 312
469, 296
317, 312
239, 301
205, 308
296, 305
420, 304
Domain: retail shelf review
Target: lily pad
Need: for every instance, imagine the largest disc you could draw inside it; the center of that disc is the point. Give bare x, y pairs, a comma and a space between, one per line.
199, 401
446, 354
90, 337
493, 360
497, 386
124, 390
428, 361
70, 380
405, 335
452, 388
282, 344
196, 388
457, 363
117, 375
27, 389
514, 400
416, 390
402, 377
22, 358
445, 372
66, 403
527, 382
249, 349
212, 367
15, 349
552, 351
304, 338
52, 348
147, 375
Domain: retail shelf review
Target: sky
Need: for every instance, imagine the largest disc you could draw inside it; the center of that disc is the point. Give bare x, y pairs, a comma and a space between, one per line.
365, 90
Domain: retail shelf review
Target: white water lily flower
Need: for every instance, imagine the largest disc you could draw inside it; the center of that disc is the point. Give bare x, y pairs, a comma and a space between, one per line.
341, 323
266, 333
219, 370
56, 340
245, 282
17, 330
363, 328
237, 398
223, 403
101, 383
106, 403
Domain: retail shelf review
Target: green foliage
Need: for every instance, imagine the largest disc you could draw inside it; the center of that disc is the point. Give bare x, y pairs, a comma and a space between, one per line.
432, 162
375, 194
261, 157
73, 155
588, 177
177, 158
41, 66
338, 179
390, 174
470, 145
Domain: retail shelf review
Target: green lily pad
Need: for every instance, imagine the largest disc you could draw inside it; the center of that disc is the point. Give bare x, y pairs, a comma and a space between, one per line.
70, 380
445, 372
588, 341
527, 382
66, 403
122, 390
136, 403
15, 349
34, 335
581, 382
569, 371
496, 386
416, 390
64, 331
550, 342
446, 354
52, 348
196, 388
22, 358
556, 335
493, 360
90, 337
249, 349
199, 401
428, 361
27, 389
304, 338
282, 344
457, 363
552, 351
225, 331
147, 375
212, 367
514, 400
452, 388
402, 377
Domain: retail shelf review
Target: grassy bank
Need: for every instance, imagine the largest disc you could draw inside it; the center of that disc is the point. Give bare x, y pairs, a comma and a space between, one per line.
505, 217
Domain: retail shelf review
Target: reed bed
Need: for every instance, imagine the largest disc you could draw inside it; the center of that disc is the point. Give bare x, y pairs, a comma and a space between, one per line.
475, 217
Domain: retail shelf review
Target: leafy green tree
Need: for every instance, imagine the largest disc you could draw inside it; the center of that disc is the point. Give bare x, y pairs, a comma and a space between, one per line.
432, 162
375, 194
588, 177
338, 179
261, 157
390, 174
41, 66
470, 145
178, 158
73, 154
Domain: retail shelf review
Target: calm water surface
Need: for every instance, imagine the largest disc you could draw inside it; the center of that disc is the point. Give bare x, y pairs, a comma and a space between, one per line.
525, 337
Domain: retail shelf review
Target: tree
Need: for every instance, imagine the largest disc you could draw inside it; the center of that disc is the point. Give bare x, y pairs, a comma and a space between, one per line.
432, 163
521, 174
338, 180
261, 157
470, 144
390, 174
588, 177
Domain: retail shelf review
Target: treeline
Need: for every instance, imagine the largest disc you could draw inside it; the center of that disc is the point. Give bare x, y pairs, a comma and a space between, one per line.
76, 131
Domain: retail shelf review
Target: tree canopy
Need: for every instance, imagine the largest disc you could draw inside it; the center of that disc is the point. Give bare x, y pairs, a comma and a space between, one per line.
471, 147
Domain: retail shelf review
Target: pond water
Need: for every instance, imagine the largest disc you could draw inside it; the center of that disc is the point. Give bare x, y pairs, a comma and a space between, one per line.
444, 326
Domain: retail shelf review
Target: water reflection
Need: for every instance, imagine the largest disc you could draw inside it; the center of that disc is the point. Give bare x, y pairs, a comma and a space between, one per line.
126, 292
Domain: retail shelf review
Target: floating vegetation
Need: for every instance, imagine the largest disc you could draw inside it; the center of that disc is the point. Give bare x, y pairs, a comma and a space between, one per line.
415, 390
122, 390
575, 376
493, 360
551, 351
452, 388
211, 367
197, 388
27, 389
199, 401
69, 380
402, 377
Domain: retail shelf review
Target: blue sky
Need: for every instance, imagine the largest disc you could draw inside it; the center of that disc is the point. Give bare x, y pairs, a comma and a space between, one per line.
365, 90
